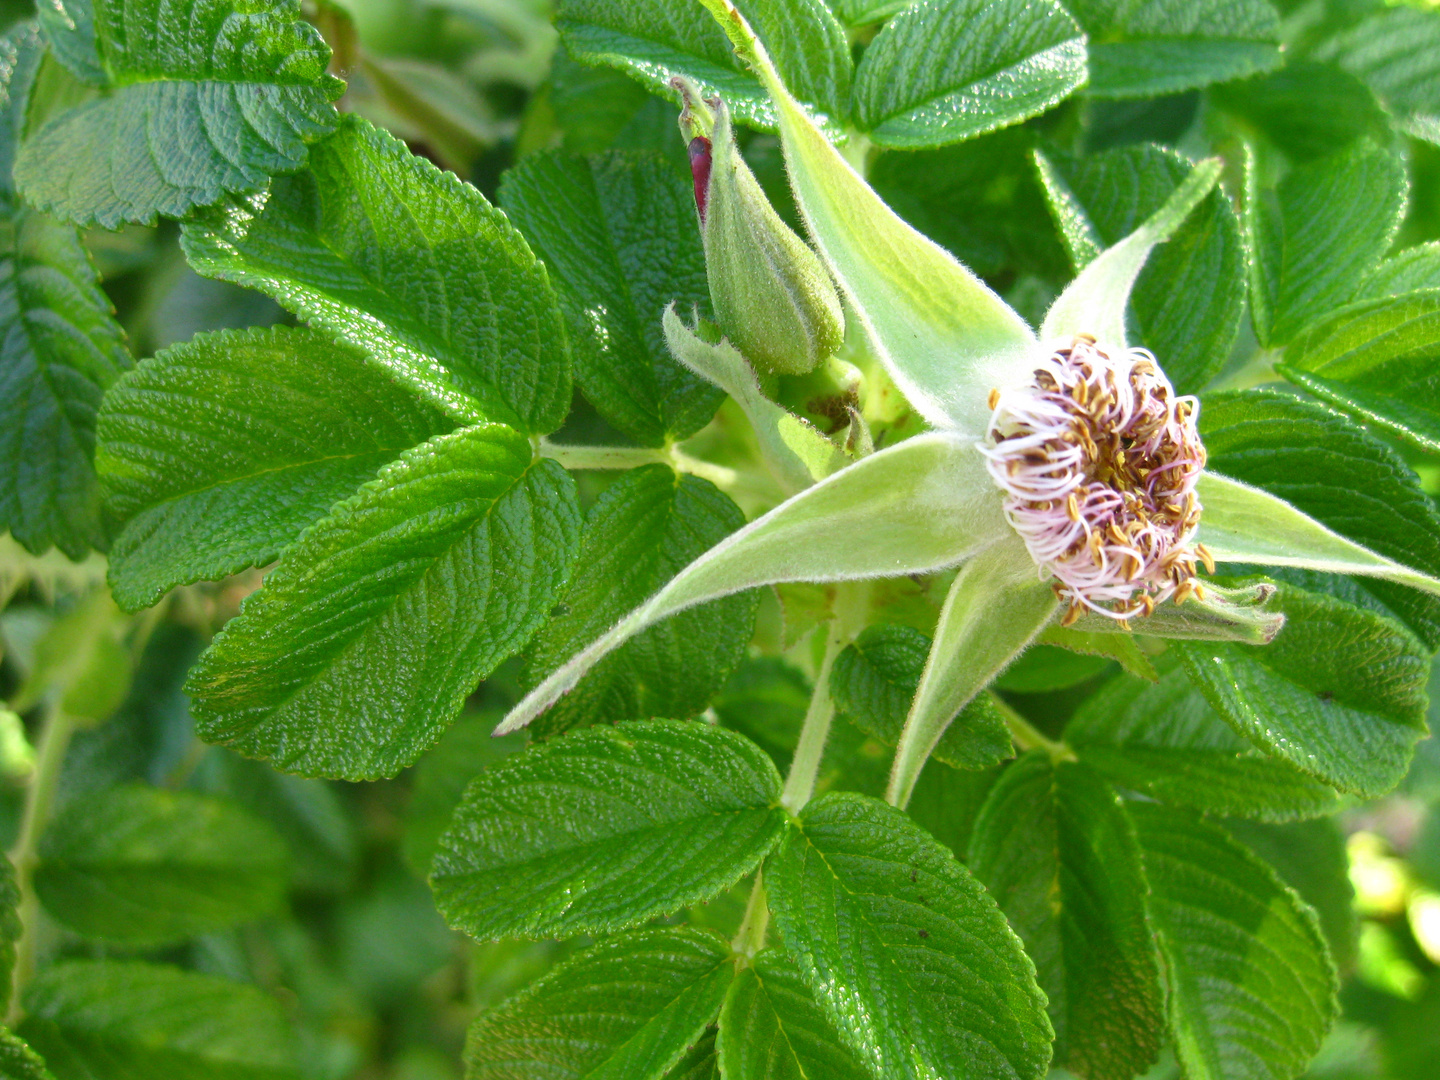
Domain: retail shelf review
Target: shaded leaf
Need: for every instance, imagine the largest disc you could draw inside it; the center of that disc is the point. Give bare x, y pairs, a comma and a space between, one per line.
364, 642
905, 952
640, 533
201, 99
394, 256
1252, 990
874, 680
618, 232
145, 866
1306, 109
1318, 234
1397, 51
218, 452
1377, 361
1165, 741
605, 828
137, 1021
1144, 49
1055, 849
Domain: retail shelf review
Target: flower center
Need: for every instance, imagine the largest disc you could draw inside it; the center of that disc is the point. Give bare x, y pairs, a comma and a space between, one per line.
1098, 460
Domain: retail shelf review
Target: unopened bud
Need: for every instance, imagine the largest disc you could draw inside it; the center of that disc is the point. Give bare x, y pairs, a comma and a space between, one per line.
770, 292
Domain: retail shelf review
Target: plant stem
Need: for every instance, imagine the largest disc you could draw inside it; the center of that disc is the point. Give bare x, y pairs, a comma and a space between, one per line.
805, 765
602, 457
1027, 737
54, 740
750, 938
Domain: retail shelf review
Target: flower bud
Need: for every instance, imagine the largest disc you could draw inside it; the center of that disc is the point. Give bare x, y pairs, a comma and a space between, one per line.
770, 292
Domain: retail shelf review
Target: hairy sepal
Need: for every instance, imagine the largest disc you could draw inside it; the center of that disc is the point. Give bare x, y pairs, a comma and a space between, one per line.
923, 505
1244, 524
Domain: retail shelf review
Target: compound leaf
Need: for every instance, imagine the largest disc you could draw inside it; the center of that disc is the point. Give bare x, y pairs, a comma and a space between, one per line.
604, 828
364, 642
618, 234
200, 99
141, 865
219, 451
903, 949
627, 1009
387, 252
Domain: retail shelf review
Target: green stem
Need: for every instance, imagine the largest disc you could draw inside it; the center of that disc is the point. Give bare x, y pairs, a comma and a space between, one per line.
1026, 736
805, 765
602, 457
39, 801
750, 938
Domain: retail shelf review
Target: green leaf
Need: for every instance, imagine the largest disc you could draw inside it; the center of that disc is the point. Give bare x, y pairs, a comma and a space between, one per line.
69, 30
1252, 990
772, 1029
1329, 468
1139, 50
137, 1021
873, 682
640, 533
903, 949
201, 100
388, 253
18, 1061
63, 348
1339, 694
1164, 741
627, 1009
1306, 109
80, 662
604, 828
1397, 51
1310, 857
1321, 231
985, 66
865, 12
1055, 849
364, 642
654, 40
1121, 648
618, 233
218, 452
140, 865
1376, 361
1188, 300
1410, 270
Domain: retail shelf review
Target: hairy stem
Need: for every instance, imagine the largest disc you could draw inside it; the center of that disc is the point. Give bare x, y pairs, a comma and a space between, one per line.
805, 765
54, 740
1026, 736
750, 938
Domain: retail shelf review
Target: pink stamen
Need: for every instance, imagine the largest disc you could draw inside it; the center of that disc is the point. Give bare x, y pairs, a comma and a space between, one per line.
1103, 439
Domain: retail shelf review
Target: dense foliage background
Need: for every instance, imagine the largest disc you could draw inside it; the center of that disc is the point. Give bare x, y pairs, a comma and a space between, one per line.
314, 892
